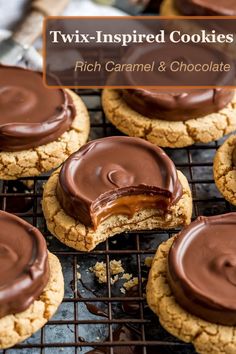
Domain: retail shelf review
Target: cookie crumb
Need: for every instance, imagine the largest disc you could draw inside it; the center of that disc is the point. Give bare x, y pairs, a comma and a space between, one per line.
126, 276
99, 270
148, 261
116, 267
130, 283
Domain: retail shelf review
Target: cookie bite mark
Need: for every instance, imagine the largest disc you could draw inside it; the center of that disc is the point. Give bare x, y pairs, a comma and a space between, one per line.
115, 185
117, 175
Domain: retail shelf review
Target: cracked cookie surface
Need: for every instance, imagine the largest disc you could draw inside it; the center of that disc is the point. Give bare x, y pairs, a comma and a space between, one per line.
167, 8
224, 170
207, 337
16, 328
33, 162
164, 133
76, 235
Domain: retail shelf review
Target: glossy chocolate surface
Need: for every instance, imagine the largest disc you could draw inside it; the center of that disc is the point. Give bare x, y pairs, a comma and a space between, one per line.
202, 268
180, 104
117, 175
206, 7
30, 114
24, 269
177, 105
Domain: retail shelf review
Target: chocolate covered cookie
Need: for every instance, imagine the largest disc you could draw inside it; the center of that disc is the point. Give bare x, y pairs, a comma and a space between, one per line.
39, 127
31, 280
198, 8
172, 118
113, 185
192, 284
225, 169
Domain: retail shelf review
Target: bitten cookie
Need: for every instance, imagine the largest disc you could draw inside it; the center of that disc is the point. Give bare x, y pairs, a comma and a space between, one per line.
31, 282
166, 133
174, 286
225, 169
39, 127
113, 185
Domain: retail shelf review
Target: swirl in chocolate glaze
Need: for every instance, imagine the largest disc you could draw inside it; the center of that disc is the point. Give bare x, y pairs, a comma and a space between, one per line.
206, 7
24, 269
117, 175
202, 268
30, 114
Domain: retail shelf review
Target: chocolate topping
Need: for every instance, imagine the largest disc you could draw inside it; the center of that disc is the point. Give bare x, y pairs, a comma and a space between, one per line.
206, 7
117, 175
202, 268
177, 105
24, 269
30, 114
180, 104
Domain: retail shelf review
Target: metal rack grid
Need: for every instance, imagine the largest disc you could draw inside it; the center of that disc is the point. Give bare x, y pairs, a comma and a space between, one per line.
75, 328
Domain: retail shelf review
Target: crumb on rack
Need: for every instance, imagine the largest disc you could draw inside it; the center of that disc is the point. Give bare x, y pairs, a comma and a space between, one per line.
126, 276
99, 270
148, 261
116, 267
117, 273
130, 283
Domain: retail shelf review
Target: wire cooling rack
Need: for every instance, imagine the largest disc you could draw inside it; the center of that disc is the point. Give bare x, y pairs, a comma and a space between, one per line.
98, 318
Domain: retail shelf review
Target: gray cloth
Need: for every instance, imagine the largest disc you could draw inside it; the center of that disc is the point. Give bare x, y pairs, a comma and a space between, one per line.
13, 11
